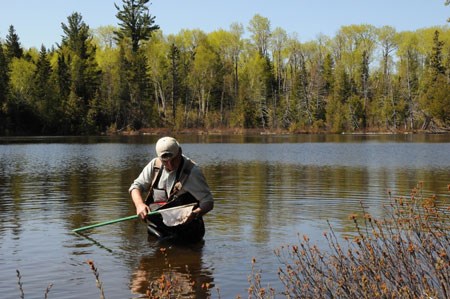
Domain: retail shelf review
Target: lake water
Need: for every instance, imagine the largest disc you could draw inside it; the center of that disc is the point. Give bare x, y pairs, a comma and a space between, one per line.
268, 190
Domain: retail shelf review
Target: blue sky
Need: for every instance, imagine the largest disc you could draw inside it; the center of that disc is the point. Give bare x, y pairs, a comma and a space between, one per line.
39, 21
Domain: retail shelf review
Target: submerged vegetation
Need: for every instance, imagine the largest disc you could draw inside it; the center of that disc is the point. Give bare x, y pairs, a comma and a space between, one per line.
406, 254
125, 78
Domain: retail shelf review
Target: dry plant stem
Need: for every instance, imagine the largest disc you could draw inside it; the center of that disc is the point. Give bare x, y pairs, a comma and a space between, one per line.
256, 290
404, 255
97, 278
47, 290
170, 284
19, 282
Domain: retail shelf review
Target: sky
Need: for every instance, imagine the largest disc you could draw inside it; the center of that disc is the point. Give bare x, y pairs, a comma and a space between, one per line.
38, 22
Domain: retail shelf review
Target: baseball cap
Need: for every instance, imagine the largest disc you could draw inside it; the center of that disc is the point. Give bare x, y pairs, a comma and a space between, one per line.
167, 148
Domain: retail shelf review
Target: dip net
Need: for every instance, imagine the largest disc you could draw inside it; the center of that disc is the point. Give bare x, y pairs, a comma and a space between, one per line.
176, 215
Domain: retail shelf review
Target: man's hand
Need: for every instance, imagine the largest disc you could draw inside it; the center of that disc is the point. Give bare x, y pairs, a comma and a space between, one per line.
142, 210
194, 214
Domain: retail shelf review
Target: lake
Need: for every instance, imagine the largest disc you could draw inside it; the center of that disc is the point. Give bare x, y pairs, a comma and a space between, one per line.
268, 189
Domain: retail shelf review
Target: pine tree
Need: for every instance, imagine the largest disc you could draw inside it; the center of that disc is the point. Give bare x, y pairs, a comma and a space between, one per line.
135, 26
136, 23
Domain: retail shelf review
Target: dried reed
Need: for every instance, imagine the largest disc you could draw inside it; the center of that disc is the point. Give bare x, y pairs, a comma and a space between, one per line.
97, 278
405, 255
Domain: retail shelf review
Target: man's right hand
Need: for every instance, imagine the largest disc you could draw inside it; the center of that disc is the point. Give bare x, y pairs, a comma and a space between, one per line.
142, 210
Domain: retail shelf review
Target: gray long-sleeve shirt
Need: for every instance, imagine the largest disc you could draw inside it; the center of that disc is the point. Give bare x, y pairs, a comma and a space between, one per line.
195, 184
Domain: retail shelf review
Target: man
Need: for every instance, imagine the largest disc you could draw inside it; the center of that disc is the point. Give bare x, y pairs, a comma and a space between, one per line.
172, 179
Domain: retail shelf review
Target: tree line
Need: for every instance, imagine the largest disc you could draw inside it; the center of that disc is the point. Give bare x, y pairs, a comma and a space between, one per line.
132, 76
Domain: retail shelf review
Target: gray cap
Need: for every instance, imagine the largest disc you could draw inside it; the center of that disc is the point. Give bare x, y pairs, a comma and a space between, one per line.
167, 148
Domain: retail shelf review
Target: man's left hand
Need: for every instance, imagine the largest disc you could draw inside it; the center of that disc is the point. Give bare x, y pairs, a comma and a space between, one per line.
194, 214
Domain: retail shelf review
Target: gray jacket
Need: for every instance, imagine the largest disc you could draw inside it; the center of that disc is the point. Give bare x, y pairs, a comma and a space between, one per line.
195, 184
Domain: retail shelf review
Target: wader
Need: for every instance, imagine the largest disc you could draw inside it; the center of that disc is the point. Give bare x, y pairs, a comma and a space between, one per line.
184, 233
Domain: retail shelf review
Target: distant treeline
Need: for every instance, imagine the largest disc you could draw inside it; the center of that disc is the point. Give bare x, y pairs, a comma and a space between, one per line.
132, 76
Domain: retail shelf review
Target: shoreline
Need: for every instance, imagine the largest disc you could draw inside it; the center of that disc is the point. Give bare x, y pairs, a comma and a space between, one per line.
227, 131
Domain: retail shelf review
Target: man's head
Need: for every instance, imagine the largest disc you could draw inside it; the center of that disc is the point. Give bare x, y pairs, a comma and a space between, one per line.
167, 148
168, 151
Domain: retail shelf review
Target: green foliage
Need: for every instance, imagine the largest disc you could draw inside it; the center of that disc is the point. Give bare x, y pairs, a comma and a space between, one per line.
434, 100
135, 27
133, 76
136, 23
4, 78
13, 48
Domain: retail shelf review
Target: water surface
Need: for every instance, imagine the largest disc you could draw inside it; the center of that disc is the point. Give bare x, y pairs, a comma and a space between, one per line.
268, 190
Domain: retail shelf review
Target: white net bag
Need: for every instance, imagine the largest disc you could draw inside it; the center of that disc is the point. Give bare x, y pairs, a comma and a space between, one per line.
176, 215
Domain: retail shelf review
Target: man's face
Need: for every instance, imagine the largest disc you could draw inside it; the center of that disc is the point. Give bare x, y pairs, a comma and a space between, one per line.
172, 163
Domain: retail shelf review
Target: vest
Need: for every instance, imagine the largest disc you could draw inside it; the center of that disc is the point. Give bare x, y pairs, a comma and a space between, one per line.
183, 172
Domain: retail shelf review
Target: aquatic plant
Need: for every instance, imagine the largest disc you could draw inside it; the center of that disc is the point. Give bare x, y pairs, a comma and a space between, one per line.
20, 284
97, 278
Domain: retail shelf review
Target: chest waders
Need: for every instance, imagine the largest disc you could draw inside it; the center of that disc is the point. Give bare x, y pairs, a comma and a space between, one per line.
185, 233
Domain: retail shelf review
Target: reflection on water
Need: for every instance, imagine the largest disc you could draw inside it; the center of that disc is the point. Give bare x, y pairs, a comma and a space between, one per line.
180, 264
268, 189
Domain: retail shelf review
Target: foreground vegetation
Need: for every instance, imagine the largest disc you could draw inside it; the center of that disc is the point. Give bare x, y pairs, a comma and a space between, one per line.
124, 78
406, 254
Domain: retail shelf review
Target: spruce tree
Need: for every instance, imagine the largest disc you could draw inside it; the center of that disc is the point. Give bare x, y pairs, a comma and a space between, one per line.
3, 77
13, 47
434, 100
84, 72
44, 92
3, 89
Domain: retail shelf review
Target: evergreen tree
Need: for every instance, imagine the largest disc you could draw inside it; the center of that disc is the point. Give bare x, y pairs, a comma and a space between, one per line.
136, 23
325, 87
44, 93
135, 26
327, 75
434, 100
337, 115
62, 74
3, 77
436, 62
124, 93
13, 47
3, 89
84, 72
360, 109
